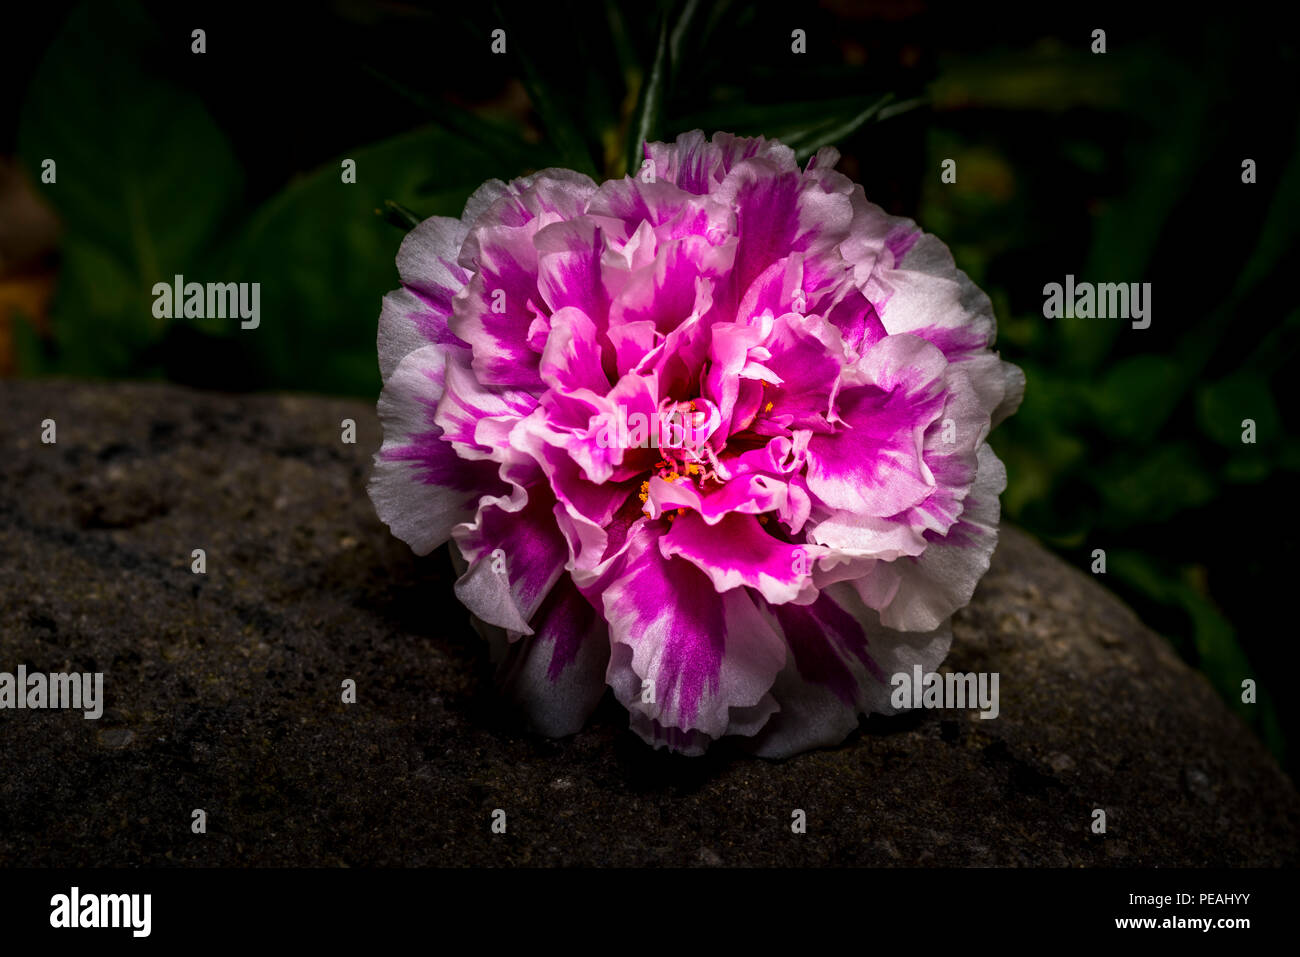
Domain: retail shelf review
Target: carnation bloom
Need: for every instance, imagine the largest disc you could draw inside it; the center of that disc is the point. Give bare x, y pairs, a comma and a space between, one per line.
830, 499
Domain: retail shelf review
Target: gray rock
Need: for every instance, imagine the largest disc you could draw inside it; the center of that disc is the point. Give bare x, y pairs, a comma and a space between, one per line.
223, 690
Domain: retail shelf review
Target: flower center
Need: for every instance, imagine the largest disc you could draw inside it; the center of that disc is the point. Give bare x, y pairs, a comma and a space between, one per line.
686, 454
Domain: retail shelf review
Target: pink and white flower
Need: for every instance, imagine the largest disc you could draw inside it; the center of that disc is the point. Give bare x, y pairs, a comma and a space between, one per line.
835, 504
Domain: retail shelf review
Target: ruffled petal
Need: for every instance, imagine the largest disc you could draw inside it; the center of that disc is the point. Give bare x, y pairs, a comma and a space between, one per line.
737, 552
873, 466
841, 663
698, 165
420, 486
706, 653
930, 587
556, 676
416, 315
516, 554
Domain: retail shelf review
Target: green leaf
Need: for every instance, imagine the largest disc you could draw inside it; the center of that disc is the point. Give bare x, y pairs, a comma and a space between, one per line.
103, 316
624, 52
324, 260
679, 37
146, 182
1221, 406
1154, 486
1278, 237
807, 142
564, 130
804, 126
475, 130
1247, 469
650, 102
1136, 396
398, 215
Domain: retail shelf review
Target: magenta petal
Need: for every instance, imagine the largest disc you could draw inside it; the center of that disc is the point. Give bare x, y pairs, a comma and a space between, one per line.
496, 310
873, 465
829, 645
427, 261
556, 675
571, 361
841, 663
466, 406
698, 165
808, 355
929, 588
752, 493
416, 315
778, 214
421, 488
706, 653
515, 553
738, 551
856, 319
569, 268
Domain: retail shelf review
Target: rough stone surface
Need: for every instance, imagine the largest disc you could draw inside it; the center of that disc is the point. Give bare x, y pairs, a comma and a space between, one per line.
223, 690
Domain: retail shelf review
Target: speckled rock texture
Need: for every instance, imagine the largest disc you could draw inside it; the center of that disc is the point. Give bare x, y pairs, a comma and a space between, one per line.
223, 690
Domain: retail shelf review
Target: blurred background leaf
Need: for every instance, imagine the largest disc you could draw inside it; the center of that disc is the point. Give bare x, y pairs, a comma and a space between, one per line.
131, 151
325, 259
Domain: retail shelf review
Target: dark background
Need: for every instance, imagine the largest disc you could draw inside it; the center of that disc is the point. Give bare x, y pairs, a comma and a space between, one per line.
1122, 167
